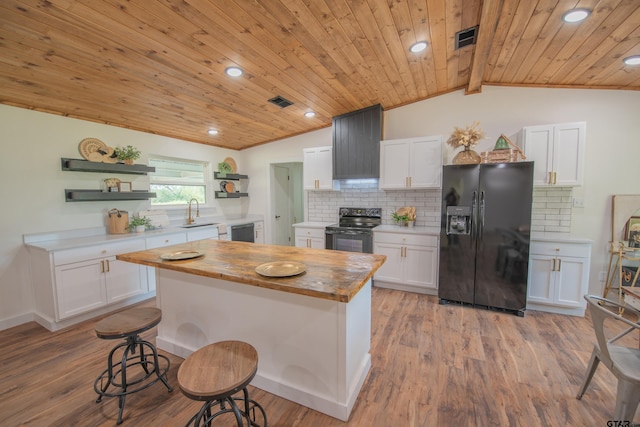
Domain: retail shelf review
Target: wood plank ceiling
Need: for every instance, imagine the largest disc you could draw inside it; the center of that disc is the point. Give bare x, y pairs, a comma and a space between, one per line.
158, 66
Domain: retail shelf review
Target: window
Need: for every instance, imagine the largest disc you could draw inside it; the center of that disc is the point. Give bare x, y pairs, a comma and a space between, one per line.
176, 181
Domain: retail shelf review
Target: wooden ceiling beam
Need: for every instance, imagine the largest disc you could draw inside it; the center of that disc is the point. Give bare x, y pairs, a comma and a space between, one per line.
489, 16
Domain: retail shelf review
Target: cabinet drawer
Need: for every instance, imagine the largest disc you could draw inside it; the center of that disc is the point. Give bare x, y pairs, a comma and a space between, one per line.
99, 251
560, 249
310, 232
166, 240
406, 239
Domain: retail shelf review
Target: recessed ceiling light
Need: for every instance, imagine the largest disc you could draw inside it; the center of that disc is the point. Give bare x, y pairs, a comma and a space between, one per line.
418, 47
309, 114
233, 71
576, 15
212, 132
632, 60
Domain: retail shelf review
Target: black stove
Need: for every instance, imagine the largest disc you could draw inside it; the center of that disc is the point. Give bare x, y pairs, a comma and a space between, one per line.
354, 231
360, 218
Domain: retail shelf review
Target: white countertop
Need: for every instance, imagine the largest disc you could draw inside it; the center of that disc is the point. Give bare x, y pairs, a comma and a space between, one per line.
69, 239
433, 231
558, 237
61, 243
313, 224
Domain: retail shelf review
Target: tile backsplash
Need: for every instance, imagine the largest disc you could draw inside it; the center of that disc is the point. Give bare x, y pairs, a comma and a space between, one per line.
551, 210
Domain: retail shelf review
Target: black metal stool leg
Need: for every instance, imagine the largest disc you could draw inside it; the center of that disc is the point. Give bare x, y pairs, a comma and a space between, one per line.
156, 364
109, 377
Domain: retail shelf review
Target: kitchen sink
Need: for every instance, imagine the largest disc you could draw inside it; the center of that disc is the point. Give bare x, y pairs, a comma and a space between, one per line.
204, 224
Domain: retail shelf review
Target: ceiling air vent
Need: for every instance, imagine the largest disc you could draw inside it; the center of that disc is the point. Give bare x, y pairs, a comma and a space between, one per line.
280, 101
466, 37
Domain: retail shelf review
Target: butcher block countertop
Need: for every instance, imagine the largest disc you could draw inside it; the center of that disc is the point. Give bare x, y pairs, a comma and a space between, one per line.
331, 275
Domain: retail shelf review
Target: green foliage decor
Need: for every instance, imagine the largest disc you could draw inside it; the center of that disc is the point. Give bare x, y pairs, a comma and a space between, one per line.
402, 219
139, 220
224, 167
127, 153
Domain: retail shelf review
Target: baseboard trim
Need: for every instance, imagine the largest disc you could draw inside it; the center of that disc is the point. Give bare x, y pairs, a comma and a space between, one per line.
52, 325
16, 320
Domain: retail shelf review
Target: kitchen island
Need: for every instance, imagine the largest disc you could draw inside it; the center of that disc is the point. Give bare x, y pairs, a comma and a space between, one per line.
312, 331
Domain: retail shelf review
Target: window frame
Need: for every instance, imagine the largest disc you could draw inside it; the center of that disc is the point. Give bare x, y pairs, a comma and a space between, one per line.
208, 182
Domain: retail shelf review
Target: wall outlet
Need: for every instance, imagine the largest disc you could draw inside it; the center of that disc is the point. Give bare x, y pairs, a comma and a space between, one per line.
602, 276
578, 203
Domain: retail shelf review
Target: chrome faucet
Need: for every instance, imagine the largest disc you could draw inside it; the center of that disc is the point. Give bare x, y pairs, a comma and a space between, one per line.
189, 219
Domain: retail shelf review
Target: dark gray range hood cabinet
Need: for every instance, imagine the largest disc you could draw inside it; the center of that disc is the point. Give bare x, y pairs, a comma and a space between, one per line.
356, 144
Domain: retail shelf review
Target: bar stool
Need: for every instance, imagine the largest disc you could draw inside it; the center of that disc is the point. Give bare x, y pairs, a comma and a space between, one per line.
129, 324
214, 374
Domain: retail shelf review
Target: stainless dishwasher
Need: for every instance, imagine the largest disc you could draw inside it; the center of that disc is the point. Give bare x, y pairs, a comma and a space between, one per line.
242, 233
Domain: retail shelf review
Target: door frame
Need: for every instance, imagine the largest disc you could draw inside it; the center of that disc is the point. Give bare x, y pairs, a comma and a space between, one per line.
295, 180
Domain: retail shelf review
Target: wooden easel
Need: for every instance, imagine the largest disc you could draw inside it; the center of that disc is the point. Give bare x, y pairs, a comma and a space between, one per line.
623, 206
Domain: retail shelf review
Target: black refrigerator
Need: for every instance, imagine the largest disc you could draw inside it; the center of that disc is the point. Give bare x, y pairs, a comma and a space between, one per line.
484, 239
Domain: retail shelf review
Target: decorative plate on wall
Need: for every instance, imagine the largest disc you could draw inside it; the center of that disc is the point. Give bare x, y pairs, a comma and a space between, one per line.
89, 146
232, 163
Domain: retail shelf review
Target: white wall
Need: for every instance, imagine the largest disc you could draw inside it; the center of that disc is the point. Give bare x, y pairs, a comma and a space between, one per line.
33, 191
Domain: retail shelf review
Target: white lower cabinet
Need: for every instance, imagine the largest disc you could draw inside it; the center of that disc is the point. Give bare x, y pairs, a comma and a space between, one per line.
72, 282
310, 238
84, 286
558, 277
412, 262
79, 287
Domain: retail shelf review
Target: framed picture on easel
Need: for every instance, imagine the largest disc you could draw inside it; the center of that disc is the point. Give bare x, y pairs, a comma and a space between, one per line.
632, 232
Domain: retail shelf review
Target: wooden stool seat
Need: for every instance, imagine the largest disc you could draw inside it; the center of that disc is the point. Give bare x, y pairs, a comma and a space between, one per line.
128, 322
214, 374
117, 380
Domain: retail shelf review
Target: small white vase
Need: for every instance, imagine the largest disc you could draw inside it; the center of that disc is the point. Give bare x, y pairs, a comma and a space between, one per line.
140, 228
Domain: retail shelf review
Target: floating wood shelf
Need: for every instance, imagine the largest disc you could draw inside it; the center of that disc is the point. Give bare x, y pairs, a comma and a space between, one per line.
225, 195
97, 195
230, 176
87, 166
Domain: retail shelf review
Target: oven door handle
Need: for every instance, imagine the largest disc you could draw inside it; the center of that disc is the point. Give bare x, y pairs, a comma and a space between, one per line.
351, 232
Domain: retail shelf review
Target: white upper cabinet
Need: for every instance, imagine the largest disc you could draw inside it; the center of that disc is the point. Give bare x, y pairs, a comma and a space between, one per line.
318, 168
558, 152
412, 163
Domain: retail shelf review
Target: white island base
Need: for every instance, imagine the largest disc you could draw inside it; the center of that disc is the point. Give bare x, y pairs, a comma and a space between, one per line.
311, 351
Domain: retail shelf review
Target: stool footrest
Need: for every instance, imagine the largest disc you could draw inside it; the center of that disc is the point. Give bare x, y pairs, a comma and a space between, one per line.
228, 405
149, 368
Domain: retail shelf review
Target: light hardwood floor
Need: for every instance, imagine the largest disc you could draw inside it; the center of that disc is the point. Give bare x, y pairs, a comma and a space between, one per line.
432, 365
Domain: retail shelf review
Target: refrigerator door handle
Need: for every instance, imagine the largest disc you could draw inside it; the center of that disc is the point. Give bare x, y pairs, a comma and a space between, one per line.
474, 215
481, 231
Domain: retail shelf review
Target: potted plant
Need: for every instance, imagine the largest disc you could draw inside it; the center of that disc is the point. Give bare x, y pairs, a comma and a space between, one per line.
224, 168
127, 154
139, 224
400, 219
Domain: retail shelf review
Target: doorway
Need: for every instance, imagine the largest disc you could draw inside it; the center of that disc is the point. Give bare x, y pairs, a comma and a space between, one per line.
286, 201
